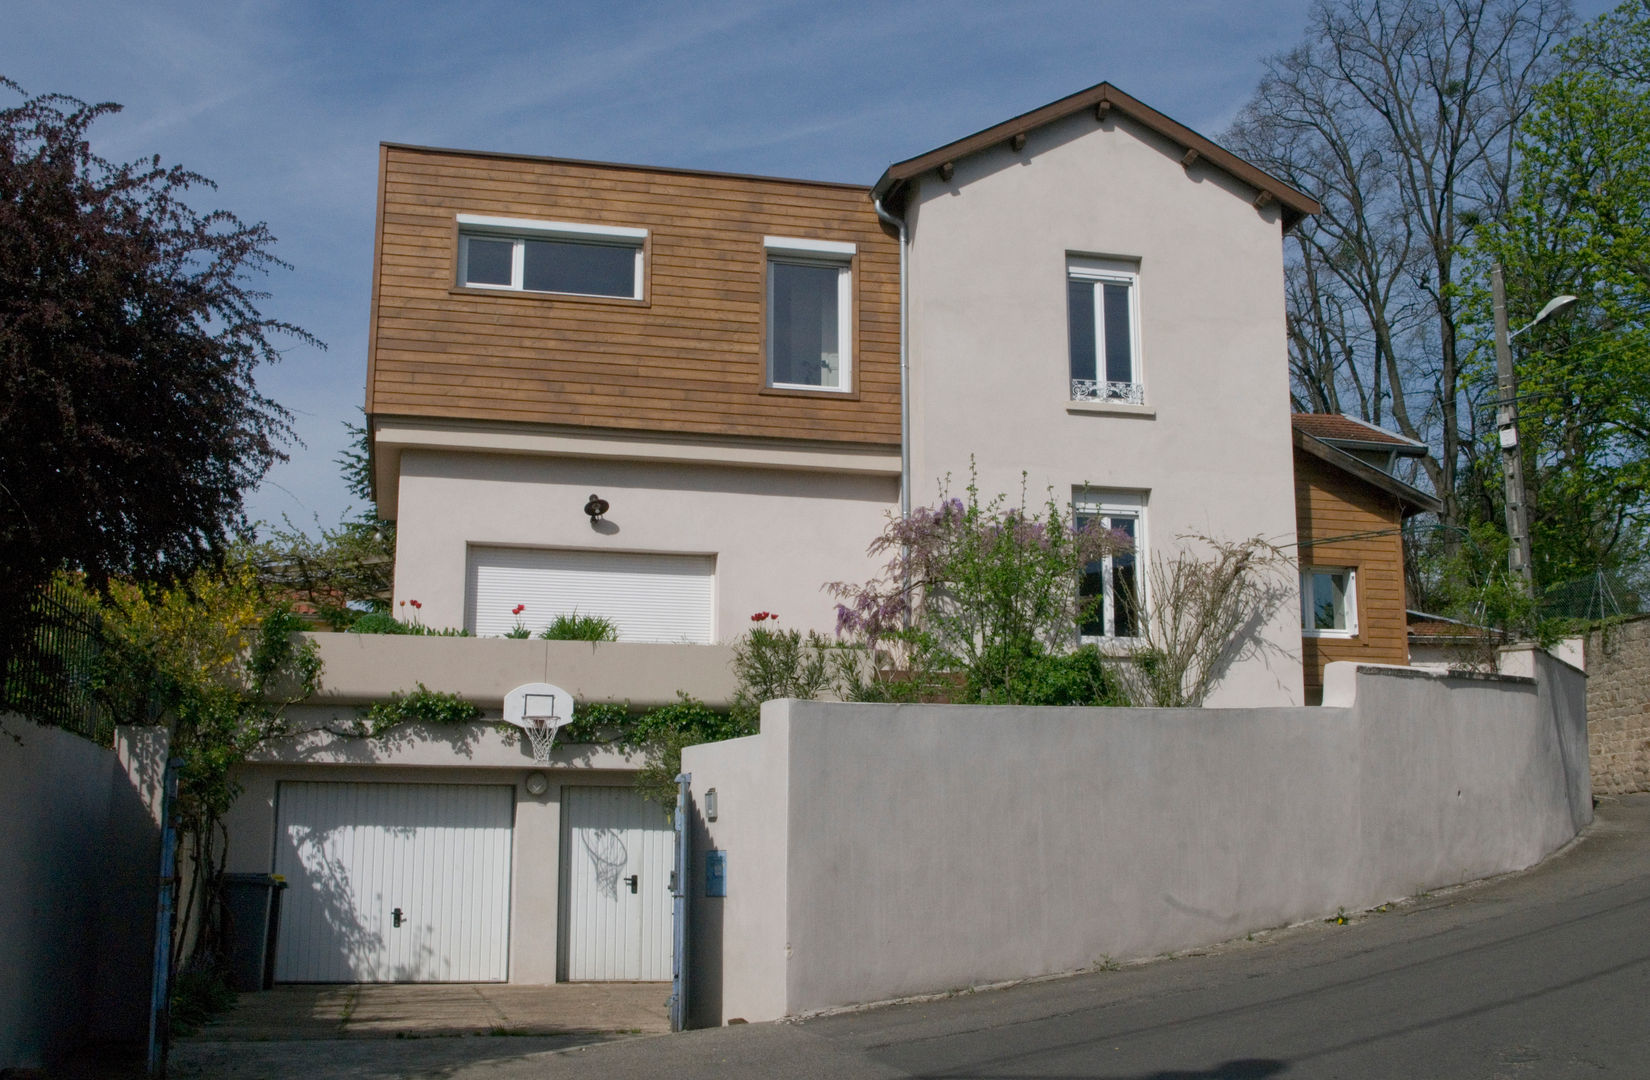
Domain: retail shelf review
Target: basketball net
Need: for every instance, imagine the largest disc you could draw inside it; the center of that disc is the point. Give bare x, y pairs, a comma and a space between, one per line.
542, 735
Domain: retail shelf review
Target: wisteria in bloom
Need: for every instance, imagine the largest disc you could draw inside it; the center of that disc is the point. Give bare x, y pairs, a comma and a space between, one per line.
968, 575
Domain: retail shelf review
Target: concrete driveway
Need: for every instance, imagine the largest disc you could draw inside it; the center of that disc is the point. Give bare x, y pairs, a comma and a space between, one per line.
430, 1029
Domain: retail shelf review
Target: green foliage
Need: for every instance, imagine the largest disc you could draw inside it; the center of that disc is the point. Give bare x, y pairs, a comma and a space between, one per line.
419, 706
663, 733
1476, 587
576, 627
772, 664
200, 994
382, 622
1040, 677
130, 422
595, 722
974, 591
1577, 225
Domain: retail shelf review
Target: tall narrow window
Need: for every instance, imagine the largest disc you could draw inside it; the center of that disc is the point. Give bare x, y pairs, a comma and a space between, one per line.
809, 314
1111, 589
1102, 313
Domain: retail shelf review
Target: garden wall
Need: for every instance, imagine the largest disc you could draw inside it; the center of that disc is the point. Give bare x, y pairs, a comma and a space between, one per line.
80, 847
877, 851
1618, 706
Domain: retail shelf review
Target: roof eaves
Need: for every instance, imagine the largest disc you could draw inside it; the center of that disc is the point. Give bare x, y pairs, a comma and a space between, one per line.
1414, 499
1104, 97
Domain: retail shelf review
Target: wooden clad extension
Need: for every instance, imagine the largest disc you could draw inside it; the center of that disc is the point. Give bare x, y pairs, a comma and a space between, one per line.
1331, 503
688, 358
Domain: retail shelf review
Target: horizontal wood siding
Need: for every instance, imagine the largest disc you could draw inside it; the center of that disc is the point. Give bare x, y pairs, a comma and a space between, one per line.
687, 359
1330, 503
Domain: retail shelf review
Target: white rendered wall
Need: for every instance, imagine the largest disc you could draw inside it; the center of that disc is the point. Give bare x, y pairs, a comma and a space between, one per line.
777, 536
990, 361
931, 847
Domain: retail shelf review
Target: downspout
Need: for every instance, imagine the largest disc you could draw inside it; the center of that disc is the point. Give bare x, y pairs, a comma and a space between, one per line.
904, 366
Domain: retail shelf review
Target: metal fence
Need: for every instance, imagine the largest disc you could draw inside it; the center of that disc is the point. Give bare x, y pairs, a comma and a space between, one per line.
67, 672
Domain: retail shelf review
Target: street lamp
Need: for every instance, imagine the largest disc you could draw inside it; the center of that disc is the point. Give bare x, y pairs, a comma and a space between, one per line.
1506, 420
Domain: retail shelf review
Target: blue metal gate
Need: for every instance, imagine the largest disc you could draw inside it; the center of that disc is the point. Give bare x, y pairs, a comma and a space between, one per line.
680, 885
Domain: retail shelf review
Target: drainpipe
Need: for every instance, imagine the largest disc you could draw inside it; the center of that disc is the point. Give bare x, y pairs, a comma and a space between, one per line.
904, 367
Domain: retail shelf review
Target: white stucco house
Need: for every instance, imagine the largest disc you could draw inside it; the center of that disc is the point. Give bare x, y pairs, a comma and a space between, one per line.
675, 398
753, 373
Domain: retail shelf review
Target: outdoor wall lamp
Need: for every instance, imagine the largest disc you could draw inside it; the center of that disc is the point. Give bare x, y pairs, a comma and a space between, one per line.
596, 507
710, 805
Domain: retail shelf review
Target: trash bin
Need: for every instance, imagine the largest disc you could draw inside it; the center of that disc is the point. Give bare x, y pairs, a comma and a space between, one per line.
251, 921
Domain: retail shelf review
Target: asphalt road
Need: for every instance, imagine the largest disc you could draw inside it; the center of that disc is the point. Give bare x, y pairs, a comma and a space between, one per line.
1544, 974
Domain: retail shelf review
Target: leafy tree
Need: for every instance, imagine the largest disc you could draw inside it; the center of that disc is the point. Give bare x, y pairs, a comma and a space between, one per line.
1577, 225
347, 571
1399, 116
130, 425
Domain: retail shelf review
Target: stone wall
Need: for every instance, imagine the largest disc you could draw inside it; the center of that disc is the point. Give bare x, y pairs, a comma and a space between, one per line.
1618, 706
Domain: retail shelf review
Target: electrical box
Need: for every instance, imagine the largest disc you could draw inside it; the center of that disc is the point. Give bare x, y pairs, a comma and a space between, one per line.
716, 873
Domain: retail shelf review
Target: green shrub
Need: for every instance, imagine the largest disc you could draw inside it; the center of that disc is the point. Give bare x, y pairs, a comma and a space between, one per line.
200, 994
377, 622
1040, 677
576, 627
423, 705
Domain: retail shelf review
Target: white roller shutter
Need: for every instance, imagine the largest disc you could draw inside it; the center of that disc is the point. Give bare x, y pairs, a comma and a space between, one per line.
649, 597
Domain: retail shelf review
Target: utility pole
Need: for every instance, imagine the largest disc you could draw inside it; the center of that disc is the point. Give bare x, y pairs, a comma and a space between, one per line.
1512, 460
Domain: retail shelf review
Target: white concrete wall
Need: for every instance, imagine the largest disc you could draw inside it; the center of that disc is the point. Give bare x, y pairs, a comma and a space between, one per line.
746, 929
938, 847
360, 668
777, 536
990, 358
79, 841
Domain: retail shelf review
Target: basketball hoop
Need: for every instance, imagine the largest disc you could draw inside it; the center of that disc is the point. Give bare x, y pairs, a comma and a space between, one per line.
540, 710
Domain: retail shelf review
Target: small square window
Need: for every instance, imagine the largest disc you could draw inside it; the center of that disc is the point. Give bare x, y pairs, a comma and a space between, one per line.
1329, 602
809, 314
1103, 320
1112, 588
550, 257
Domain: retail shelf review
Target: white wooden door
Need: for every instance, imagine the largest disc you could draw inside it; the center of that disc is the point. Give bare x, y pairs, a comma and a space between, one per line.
394, 882
617, 855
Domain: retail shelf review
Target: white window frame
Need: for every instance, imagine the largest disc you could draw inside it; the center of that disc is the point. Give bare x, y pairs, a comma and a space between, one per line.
520, 230
1105, 505
1099, 272
799, 251
1308, 606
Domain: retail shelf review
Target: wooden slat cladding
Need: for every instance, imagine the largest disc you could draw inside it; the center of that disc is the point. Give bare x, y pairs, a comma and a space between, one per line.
1330, 503
687, 359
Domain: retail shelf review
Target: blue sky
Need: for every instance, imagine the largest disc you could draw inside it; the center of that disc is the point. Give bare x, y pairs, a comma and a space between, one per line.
284, 104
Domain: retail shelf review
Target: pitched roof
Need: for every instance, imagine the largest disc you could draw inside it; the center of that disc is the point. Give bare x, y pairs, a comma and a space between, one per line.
1414, 500
1103, 98
1342, 430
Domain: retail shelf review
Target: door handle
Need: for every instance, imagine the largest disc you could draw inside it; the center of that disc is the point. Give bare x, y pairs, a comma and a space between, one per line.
631, 881
397, 916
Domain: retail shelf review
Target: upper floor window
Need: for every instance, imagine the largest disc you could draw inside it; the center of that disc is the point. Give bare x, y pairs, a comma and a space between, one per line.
810, 302
550, 257
1329, 606
1111, 588
1103, 316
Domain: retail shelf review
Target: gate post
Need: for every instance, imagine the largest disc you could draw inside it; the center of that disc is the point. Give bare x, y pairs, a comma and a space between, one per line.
680, 884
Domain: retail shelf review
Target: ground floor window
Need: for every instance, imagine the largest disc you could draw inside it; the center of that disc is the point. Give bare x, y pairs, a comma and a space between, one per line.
647, 596
1115, 581
1329, 601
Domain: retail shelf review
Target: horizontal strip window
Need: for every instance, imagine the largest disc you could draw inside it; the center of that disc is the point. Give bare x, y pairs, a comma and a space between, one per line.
519, 255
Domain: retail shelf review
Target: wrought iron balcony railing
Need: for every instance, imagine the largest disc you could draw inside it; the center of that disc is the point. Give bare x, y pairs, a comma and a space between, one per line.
1117, 393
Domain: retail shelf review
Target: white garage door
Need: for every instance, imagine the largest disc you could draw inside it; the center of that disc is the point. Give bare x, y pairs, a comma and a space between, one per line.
394, 882
617, 862
648, 597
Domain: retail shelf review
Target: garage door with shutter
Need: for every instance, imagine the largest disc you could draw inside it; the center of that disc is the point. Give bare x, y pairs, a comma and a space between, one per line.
616, 865
394, 882
649, 597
